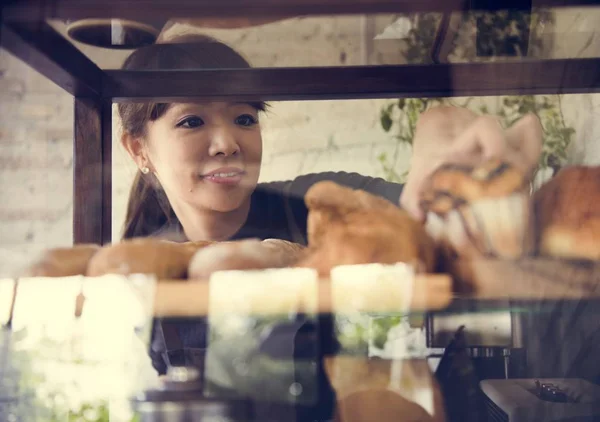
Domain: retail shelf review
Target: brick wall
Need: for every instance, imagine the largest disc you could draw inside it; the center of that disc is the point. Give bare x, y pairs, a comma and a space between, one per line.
36, 163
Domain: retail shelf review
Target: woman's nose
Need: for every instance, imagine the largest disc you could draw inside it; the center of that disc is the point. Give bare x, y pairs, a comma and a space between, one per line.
223, 142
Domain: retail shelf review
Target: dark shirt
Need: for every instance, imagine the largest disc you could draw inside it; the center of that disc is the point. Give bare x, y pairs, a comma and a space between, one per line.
277, 211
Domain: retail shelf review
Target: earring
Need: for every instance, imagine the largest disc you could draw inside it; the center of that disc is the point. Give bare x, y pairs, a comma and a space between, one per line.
145, 170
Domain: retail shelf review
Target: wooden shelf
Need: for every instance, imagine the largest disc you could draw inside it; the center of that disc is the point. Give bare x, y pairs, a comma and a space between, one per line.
495, 283
177, 298
539, 278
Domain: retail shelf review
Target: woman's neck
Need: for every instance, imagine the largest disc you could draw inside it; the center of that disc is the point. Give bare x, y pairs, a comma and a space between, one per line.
212, 225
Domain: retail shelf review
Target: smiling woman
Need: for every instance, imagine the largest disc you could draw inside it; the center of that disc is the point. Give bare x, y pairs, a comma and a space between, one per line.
199, 166
200, 162
206, 158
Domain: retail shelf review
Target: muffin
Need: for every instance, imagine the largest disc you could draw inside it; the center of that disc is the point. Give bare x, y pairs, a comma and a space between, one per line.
567, 210
482, 210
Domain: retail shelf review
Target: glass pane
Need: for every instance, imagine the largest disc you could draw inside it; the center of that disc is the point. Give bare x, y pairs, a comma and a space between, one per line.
36, 165
360, 40
488, 319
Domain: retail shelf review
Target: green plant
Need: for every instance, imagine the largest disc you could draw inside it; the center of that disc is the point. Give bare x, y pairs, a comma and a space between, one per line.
399, 118
557, 134
510, 32
421, 37
498, 33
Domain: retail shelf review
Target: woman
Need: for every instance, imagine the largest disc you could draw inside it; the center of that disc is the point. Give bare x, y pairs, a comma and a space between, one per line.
199, 167
200, 163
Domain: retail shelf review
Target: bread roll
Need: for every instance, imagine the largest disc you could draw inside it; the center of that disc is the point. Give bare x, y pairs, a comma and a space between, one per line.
347, 227
251, 254
567, 210
366, 390
164, 259
62, 262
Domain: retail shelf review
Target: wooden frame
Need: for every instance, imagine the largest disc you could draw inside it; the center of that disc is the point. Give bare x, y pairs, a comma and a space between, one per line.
26, 35
92, 189
355, 82
158, 9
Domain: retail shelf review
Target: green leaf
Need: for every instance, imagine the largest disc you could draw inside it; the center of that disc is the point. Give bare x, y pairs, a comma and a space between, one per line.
386, 121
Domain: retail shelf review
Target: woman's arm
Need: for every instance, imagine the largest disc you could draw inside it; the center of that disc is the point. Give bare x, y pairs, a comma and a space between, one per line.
452, 134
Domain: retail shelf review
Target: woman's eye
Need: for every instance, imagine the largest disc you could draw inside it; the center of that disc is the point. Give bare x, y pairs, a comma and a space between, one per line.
246, 120
191, 122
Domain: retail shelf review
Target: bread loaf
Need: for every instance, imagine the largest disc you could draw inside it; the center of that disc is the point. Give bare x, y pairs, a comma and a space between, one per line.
164, 259
347, 227
251, 254
567, 210
62, 262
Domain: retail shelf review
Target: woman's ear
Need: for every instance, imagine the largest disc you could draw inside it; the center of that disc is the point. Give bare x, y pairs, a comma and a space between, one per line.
136, 150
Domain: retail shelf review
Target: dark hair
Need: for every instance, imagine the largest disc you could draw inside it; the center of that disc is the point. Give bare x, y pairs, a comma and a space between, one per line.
148, 209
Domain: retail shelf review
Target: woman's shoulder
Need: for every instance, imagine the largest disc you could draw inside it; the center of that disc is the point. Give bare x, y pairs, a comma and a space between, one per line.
300, 185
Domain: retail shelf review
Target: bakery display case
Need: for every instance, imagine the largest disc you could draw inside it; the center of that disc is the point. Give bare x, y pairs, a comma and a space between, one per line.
487, 313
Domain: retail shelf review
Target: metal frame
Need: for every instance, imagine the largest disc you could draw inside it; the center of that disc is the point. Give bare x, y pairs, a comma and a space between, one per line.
26, 35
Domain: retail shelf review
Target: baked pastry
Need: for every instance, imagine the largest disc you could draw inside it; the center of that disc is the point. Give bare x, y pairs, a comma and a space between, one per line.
366, 388
347, 227
251, 254
62, 262
162, 258
482, 210
567, 210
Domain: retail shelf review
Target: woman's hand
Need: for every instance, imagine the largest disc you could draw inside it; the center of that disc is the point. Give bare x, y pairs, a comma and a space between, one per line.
457, 135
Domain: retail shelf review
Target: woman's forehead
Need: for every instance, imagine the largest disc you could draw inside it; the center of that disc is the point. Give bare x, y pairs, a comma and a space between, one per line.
213, 105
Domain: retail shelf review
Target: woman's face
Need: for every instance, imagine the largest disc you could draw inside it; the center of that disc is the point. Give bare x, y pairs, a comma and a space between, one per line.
206, 155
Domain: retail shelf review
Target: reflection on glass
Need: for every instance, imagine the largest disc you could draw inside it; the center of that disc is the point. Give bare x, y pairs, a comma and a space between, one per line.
64, 366
263, 346
344, 40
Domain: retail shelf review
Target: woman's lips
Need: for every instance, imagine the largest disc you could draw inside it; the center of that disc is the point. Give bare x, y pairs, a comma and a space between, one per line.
224, 176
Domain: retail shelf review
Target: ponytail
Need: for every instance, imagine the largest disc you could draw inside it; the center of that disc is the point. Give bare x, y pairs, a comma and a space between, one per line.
148, 209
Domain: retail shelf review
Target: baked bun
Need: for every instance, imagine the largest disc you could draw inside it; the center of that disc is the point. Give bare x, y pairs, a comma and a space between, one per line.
481, 210
347, 227
162, 258
567, 210
251, 254
366, 390
62, 262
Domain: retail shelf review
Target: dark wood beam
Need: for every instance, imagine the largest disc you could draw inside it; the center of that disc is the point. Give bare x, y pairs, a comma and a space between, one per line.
92, 172
153, 9
107, 132
441, 80
49, 53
